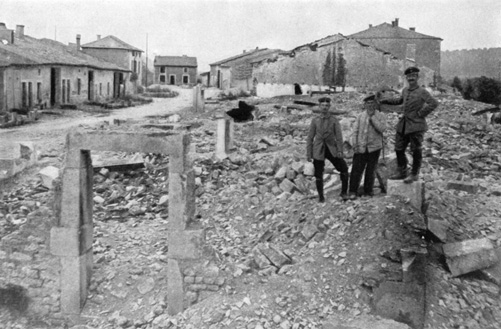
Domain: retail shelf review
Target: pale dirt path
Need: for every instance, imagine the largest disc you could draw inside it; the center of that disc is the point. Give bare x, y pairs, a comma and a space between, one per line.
49, 132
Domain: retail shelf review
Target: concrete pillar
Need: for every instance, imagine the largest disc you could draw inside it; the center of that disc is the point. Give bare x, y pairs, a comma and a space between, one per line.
72, 238
198, 99
224, 135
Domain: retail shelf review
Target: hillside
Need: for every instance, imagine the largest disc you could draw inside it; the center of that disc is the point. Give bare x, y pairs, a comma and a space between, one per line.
469, 63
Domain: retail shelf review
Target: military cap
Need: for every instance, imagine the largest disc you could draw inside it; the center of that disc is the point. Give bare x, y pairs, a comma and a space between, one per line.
370, 98
411, 69
324, 100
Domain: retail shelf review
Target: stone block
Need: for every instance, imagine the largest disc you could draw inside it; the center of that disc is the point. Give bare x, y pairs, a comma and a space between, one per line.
175, 291
164, 143
73, 183
48, 175
221, 141
74, 282
281, 173
309, 169
186, 244
463, 186
413, 191
402, 302
276, 257
414, 265
260, 258
181, 199
470, 255
438, 228
65, 241
180, 160
287, 186
494, 272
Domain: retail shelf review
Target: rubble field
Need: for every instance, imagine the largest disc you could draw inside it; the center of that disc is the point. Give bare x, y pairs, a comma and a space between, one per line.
285, 261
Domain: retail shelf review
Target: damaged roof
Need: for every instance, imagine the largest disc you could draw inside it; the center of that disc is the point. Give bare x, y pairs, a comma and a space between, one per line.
257, 51
110, 42
31, 51
388, 31
175, 61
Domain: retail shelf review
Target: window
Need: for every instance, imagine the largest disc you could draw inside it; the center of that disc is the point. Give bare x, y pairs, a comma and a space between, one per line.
185, 70
108, 88
68, 90
79, 86
162, 78
186, 79
133, 68
162, 69
100, 88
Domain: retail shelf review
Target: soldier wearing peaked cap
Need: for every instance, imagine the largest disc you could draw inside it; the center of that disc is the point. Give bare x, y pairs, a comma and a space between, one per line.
325, 141
416, 103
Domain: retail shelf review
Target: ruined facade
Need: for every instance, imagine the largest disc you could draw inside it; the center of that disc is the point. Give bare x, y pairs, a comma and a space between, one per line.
45, 73
236, 71
403, 43
336, 61
175, 70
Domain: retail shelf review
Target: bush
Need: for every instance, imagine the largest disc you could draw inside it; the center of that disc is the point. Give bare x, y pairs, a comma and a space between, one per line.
456, 83
482, 89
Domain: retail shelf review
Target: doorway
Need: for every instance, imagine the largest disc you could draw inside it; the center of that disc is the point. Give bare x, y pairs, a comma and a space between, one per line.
55, 85
90, 86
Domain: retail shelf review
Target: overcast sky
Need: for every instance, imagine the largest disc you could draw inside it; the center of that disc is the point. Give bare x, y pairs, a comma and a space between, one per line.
212, 30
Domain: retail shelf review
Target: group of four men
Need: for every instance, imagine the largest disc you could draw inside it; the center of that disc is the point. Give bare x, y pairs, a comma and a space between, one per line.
325, 139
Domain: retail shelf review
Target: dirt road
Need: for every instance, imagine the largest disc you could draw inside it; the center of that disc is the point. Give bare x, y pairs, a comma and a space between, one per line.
50, 130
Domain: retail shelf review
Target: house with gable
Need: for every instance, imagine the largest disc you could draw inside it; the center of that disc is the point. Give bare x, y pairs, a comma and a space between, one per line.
175, 70
403, 43
45, 73
236, 71
114, 50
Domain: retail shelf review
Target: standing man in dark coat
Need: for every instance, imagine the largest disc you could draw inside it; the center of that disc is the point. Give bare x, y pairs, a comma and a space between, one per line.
417, 103
325, 141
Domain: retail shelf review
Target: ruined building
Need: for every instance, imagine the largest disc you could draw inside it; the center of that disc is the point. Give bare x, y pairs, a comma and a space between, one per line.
334, 61
403, 43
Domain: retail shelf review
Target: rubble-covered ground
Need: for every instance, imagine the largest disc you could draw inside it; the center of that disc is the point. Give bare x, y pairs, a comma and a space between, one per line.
288, 261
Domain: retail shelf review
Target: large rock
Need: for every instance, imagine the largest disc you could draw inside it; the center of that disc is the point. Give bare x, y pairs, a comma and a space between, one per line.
309, 169
287, 186
49, 175
463, 186
470, 255
413, 191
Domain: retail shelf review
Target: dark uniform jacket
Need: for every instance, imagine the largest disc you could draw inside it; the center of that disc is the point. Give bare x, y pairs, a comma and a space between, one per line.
325, 131
417, 104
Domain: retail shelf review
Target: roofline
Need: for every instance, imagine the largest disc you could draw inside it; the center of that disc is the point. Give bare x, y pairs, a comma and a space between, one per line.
241, 55
363, 38
137, 49
64, 64
190, 65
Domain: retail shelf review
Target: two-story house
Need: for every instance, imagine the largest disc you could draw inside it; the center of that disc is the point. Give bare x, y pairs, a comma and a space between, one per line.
114, 50
175, 70
403, 43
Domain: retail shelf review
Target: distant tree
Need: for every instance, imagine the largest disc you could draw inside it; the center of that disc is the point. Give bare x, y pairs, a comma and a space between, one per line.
341, 72
327, 73
456, 83
482, 89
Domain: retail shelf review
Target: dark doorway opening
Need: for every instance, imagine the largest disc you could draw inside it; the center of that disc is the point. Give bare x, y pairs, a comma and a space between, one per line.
172, 79
90, 86
297, 89
55, 86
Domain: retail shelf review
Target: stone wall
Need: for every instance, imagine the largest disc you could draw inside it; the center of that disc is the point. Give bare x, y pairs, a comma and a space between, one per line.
28, 267
365, 67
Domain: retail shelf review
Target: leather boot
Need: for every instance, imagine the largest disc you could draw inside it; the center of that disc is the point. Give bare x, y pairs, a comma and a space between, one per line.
320, 189
344, 185
401, 173
416, 167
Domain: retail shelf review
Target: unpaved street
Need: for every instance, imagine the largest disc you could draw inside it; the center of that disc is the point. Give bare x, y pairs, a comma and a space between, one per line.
50, 130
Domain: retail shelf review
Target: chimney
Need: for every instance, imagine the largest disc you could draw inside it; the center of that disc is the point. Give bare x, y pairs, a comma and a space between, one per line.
396, 22
6, 34
2, 26
370, 25
244, 51
99, 37
393, 23
78, 42
412, 29
20, 31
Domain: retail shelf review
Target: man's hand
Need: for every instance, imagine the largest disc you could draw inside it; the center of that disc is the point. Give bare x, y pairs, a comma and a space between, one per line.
309, 159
